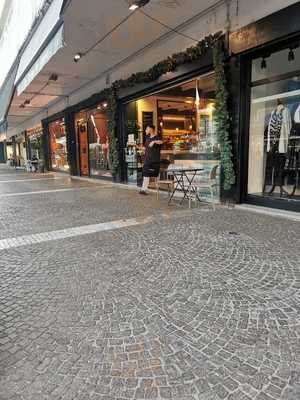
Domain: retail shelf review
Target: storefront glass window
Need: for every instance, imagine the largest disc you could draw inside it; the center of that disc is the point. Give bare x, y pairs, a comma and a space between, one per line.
34, 143
92, 141
184, 117
58, 146
274, 140
9, 150
21, 150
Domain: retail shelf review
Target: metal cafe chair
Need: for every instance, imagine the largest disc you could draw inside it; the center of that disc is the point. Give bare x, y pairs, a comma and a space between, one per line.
164, 179
207, 182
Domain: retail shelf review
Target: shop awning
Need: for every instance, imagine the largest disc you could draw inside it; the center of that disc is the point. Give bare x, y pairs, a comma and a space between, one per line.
45, 42
6, 93
53, 46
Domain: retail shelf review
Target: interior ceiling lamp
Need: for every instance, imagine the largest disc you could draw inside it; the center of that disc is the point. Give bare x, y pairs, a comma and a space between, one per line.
291, 56
134, 4
197, 101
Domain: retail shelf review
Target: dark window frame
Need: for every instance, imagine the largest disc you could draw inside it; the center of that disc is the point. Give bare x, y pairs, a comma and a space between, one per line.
245, 108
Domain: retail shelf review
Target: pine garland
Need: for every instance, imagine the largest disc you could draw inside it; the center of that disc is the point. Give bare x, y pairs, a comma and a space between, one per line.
214, 42
113, 157
222, 117
191, 54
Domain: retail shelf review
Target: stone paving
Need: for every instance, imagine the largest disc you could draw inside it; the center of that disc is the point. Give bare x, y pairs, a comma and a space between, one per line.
193, 305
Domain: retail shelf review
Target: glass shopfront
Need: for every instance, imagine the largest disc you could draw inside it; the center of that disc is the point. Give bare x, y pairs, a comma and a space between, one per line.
184, 117
2, 148
21, 150
34, 142
9, 150
274, 138
58, 146
93, 142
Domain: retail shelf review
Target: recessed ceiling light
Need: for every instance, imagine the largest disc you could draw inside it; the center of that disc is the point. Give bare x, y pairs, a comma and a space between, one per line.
53, 77
133, 7
77, 57
134, 4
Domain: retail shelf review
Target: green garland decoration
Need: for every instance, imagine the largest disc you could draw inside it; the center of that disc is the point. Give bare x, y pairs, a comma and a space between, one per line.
222, 117
191, 54
113, 158
214, 42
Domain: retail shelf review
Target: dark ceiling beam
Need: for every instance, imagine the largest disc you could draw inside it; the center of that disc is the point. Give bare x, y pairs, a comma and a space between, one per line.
30, 108
44, 94
18, 116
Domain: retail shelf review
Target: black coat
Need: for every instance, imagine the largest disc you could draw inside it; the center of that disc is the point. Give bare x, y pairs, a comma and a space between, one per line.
152, 158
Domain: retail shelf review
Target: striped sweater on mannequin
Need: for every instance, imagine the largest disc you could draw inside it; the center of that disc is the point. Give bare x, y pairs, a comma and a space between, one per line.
279, 128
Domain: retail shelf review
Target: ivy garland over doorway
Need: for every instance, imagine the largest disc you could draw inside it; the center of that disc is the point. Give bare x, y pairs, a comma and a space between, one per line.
212, 42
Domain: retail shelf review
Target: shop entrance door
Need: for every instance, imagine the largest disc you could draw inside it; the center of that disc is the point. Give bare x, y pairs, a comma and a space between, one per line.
83, 149
2, 154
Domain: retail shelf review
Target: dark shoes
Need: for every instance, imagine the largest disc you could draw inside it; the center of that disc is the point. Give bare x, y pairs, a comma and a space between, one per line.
143, 192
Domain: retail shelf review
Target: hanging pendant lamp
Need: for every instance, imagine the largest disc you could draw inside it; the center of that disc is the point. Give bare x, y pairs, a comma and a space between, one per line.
197, 101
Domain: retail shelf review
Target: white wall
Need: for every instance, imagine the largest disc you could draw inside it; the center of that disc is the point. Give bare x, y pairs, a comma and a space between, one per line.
242, 13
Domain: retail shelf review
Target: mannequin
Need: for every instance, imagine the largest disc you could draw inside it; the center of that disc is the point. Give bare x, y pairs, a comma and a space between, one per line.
278, 133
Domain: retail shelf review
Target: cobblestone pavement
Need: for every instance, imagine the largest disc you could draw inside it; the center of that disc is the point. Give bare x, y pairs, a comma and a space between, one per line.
191, 305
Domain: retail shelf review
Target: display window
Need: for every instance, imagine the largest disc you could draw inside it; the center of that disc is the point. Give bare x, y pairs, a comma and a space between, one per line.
184, 117
92, 140
34, 142
19, 150
58, 146
274, 136
2, 152
21, 145
9, 150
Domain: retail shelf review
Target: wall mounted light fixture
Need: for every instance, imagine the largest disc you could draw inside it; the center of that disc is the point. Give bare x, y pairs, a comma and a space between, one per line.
291, 55
263, 64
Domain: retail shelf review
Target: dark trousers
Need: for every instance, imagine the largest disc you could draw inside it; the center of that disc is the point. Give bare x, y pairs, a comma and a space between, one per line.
275, 168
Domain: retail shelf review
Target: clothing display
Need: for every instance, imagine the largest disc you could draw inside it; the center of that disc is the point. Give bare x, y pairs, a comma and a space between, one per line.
297, 115
278, 133
293, 155
282, 163
279, 129
274, 132
295, 111
275, 168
